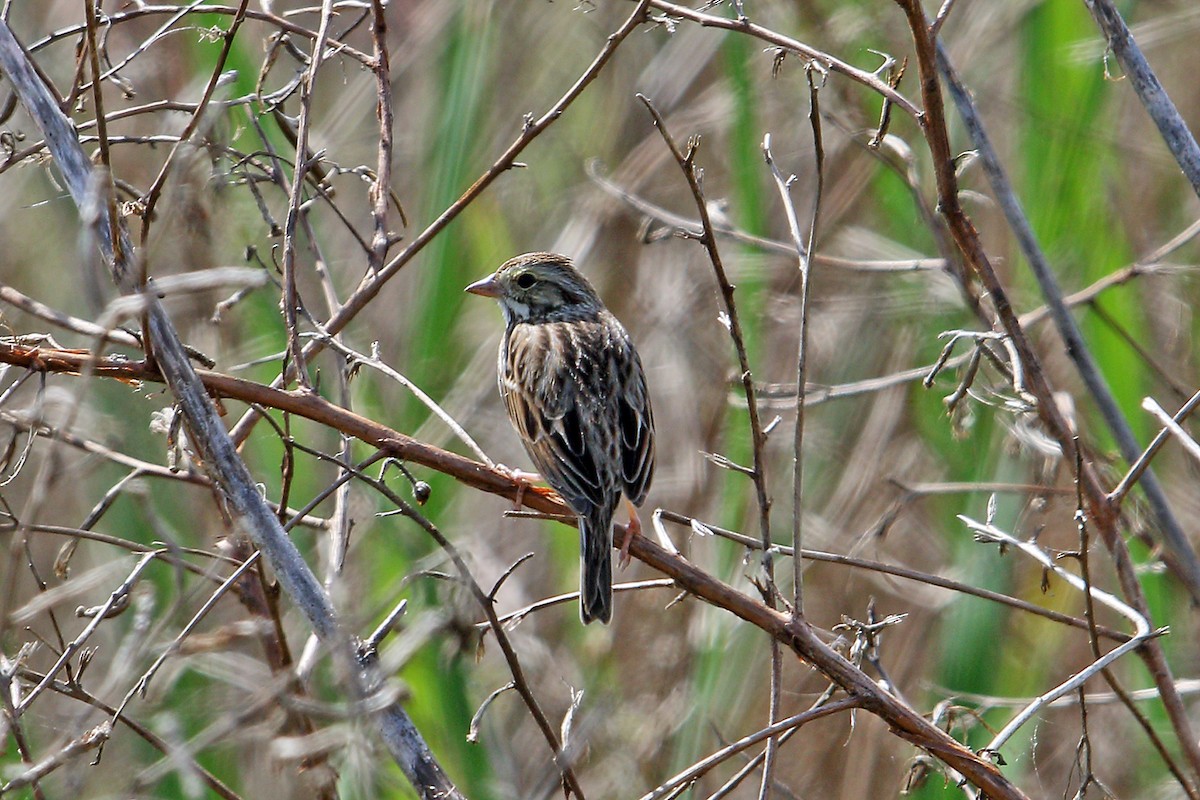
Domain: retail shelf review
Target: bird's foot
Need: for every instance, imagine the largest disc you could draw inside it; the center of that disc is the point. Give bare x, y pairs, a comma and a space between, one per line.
524, 481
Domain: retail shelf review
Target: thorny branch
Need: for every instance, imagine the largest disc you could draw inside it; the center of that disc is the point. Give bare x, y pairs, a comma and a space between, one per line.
209, 436
758, 434
796, 635
1102, 514
758, 437
373, 282
1097, 508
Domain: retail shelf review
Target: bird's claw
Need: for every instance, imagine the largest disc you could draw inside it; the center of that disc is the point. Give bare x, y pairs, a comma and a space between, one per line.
523, 480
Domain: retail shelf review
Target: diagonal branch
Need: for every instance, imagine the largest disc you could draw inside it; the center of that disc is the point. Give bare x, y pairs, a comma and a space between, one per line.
212, 441
832, 63
373, 282
1101, 512
758, 437
1158, 104
1186, 564
796, 635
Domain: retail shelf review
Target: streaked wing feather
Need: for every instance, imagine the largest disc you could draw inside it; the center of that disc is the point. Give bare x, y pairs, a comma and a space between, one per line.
637, 431
544, 405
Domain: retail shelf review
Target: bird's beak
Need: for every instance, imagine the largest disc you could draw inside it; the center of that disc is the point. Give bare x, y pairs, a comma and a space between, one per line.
487, 287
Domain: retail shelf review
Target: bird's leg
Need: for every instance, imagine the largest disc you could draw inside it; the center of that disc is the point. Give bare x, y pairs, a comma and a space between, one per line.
524, 480
634, 528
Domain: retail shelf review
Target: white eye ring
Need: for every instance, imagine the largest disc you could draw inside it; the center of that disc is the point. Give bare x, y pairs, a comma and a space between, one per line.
526, 280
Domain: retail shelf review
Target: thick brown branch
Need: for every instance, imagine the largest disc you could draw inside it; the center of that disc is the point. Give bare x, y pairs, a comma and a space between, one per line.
1102, 514
795, 634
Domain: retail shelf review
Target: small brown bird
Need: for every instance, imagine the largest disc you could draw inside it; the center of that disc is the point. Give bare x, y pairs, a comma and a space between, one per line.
576, 394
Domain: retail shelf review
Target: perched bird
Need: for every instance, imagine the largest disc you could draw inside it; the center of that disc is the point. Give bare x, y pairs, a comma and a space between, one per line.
576, 393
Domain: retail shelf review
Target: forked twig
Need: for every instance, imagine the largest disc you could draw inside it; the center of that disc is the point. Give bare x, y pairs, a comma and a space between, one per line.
372, 283
1142, 630
209, 436
798, 637
966, 238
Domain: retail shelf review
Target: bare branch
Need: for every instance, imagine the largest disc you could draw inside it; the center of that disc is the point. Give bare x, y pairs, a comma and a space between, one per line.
1157, 102
211, 440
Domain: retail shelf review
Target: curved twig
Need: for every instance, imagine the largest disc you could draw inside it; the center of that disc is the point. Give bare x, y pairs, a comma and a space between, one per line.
374, 282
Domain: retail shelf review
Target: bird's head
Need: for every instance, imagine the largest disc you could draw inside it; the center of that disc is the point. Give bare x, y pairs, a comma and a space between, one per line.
539, 287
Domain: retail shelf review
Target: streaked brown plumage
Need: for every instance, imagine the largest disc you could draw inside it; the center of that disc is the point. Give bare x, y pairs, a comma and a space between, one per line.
576, 393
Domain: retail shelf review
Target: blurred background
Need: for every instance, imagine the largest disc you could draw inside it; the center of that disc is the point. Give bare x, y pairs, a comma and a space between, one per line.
887, 468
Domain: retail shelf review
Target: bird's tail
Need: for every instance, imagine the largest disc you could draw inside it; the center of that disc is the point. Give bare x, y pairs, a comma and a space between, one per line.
595, 566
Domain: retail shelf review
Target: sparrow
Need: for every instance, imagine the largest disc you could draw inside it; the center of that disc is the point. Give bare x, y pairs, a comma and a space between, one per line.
575, 391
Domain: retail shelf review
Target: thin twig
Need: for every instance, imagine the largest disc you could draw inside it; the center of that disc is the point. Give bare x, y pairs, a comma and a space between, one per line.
12, 724
295, 359
968, 242
1076, 347
208, 434
149, 10
804, 251
17, 299
1169, 424
679, 224
1142, 630
900, 572
1119, 691
373, 283
117, 595
1117, 495
150, 198
374, 362
1150, 91
143, 682
513, 617
708, 239
704, 765
833, 64
88, 740
942, 14
381, 187
758, 436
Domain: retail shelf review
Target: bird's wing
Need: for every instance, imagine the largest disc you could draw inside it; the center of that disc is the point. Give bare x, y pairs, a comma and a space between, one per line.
553, 409
636, 421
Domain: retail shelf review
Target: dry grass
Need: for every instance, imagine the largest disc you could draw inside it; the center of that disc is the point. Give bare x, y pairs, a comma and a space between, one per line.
887, 467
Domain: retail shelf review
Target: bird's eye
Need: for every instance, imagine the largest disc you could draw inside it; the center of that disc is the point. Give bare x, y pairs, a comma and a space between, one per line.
526, 280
